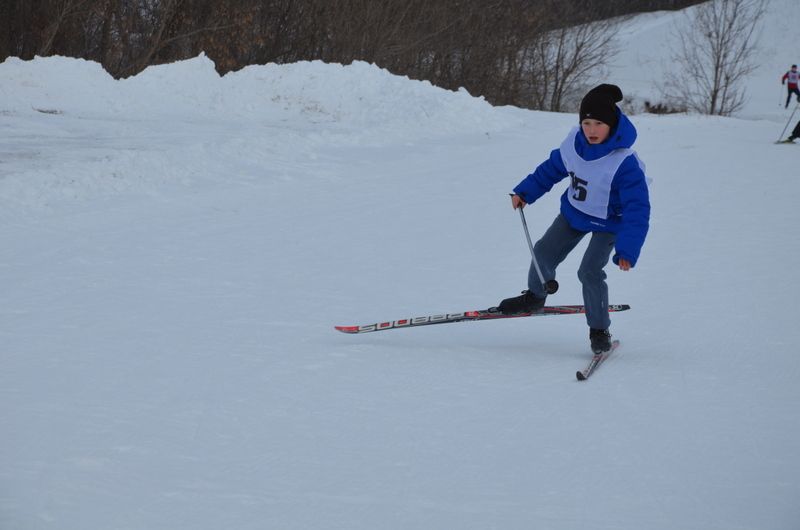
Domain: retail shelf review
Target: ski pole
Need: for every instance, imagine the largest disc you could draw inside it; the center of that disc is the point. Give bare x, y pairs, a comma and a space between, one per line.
550, 286
788, 122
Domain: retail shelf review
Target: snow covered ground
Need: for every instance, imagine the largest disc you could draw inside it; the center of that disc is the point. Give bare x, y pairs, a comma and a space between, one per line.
178, 247
645, 57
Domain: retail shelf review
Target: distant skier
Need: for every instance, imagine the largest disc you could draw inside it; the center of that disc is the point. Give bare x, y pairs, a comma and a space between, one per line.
792, 76
795, 134
607, 197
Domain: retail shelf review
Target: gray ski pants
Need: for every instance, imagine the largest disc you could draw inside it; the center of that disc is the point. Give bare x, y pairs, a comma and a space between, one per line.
559, 240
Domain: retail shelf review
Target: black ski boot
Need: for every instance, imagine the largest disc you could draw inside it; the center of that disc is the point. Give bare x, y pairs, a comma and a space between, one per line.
527, 302
601, 340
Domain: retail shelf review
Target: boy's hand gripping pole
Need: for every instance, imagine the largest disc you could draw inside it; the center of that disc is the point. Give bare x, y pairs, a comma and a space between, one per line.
550, 286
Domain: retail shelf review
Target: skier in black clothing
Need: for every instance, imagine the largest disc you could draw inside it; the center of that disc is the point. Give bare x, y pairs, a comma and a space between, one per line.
795, 134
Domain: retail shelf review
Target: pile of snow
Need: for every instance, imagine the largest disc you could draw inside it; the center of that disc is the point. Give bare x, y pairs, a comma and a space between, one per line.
159, 124
359, 96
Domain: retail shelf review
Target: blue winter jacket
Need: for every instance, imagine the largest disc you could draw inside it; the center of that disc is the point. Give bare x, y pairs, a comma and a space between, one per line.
629, 203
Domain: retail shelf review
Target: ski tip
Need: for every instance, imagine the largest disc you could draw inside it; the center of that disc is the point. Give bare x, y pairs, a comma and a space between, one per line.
580, 376
347, 329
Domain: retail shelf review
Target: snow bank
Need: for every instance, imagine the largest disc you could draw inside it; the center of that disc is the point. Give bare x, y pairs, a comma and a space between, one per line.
357, 97
79, 134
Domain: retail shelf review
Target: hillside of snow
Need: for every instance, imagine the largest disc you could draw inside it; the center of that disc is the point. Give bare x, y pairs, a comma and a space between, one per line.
645, 58
177, 248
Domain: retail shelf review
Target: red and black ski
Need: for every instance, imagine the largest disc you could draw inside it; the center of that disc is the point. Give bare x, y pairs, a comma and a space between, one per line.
484, 314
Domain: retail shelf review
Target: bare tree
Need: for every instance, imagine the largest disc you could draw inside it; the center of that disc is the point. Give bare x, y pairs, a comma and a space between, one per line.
60, 11
563, 60
714, 55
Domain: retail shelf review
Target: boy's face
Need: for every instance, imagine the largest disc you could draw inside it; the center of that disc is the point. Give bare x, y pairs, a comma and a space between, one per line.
595, 131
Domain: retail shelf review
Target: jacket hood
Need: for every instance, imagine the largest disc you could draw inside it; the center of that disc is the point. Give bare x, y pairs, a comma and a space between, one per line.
622, 136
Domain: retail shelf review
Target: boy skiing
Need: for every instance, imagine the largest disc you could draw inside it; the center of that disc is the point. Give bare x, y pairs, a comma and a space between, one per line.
792, 76
607, 197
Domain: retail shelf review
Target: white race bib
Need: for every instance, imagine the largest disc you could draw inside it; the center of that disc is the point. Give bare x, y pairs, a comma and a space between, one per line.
590, 186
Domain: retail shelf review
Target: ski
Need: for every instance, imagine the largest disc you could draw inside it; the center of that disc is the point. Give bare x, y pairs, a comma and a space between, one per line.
597, 360
484, 314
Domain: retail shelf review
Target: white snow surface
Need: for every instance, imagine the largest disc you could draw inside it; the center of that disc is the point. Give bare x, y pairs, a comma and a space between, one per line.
177, 248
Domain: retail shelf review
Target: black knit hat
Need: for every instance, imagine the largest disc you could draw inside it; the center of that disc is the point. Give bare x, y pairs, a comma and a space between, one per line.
600, 104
